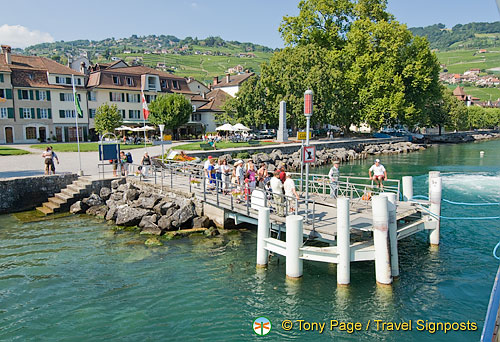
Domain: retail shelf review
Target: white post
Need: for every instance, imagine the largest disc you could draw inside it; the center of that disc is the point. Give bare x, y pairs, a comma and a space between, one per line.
162, 127
343, 242
294, 238
381, 240
393, 232
432, 174
435, 190
262, 233
407, 188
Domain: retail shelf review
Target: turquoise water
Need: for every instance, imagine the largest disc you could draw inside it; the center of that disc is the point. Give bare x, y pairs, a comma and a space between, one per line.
74, 279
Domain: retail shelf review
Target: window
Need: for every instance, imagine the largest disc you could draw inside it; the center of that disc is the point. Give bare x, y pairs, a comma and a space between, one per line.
44, 113
69, 113
92, 96
130, 81
175, 84
92, 113
24, 95
134, 114
135, 98
78, 81
122, 112
116, 97
2, 93
42, 95
116, 80
67, 97
1, 77
63, 80
163, 83
26, 113
3, 113
151, 83
196, 117
150, 98
30, 132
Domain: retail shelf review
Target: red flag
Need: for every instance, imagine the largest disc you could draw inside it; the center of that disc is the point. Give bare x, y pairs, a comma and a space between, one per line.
145, 108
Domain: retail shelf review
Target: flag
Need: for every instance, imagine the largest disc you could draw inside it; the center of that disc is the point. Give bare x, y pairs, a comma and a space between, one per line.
145, 108
78, 108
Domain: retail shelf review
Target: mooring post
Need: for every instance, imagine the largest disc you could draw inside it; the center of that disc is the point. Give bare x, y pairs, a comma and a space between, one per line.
381, 240
393, 232
294, 236
262, 234
432, 174
435, 190
343, 241
407, 188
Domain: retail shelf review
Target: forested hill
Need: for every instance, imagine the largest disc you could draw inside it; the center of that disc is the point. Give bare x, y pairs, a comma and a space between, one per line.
473, 35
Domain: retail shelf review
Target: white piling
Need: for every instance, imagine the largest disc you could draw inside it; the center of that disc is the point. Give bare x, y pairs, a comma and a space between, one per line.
393, 232
407, 188
435, 191
262, 233
432, 174
381, 240
294, 237
343, 242
481, 154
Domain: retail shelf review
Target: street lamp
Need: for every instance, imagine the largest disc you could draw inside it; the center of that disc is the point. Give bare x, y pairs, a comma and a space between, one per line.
308, 111
162, 127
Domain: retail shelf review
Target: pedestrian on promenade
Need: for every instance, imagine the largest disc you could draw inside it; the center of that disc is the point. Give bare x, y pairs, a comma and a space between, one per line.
206, 165
277, 189
262, 176
47, 155
146, 164
282, 173
290, 192
123, 164
252, 176
379, 174
334, 175
218, 174
226, 175
54, 156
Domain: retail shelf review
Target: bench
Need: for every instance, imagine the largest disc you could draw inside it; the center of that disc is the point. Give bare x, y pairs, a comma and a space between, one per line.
253, 142
205, 147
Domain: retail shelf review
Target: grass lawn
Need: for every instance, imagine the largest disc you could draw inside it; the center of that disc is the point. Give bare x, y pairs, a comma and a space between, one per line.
84, 147
11, 151
221, 145
459, 61
484, 94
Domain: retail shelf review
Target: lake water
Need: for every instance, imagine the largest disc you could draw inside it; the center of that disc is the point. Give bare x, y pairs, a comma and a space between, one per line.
75, 279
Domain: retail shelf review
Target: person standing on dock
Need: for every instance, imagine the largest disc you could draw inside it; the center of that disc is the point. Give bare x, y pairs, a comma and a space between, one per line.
277, 188
290, 192
379, 174
334, 175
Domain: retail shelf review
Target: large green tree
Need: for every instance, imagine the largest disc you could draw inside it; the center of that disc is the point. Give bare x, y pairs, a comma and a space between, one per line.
107, 118
171, 110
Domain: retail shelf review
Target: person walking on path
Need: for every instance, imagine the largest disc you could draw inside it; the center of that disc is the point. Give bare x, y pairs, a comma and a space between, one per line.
146, 164
262, 176
240, 177
379, 174
226, 175
252, 176
277, 189
54, 156
334, 175
290, 192
47, 155
123, 164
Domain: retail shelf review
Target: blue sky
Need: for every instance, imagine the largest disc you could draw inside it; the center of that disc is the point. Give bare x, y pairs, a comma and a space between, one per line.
255, 20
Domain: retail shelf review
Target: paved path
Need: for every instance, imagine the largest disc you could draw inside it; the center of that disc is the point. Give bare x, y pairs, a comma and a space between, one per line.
32, 164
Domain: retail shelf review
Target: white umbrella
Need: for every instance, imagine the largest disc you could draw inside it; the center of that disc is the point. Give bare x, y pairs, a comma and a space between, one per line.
240, 127
144, 129
225, 127
123, 128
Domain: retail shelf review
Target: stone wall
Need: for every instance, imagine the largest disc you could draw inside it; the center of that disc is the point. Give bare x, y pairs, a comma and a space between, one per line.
26, 193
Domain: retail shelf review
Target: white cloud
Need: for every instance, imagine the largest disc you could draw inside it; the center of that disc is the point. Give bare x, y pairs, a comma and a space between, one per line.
19, 36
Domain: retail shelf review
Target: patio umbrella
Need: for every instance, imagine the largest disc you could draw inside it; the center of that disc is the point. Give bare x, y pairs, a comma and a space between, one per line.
123, 128
240, 127
144, 129
225, 127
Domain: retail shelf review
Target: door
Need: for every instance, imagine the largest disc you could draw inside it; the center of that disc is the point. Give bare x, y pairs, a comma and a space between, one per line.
9, 136
42, 134
59, 134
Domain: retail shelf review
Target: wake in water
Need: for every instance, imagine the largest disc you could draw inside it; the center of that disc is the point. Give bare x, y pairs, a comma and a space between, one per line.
482, 186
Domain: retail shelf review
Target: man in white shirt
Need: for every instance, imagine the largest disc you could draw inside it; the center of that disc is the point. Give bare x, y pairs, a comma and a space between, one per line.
378, 173
334, 175
277, 188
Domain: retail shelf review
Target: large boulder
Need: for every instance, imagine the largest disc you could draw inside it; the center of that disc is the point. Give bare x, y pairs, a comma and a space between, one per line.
148, 202
117, 182
78, 208
151, 229
165, 223
105, 193
183, 215
148, 219
117, 196
93, 200
97, 210
128, 216
130, 195
111, 214
227, 157
276, 155
163, 207
201, 222
122, 188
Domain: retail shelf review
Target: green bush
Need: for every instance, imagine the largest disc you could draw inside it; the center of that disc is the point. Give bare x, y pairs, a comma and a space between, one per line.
243, 155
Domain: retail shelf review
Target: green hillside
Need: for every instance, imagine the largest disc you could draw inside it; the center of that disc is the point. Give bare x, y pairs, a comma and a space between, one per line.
459, 61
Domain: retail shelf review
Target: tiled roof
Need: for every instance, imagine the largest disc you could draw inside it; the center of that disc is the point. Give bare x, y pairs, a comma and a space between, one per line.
459, 91
216, 99
234, 80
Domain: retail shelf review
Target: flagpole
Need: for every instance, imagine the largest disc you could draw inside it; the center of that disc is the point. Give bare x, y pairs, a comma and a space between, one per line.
144, 109
80, 173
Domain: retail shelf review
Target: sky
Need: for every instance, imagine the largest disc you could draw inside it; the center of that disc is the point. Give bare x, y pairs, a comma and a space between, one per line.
28, 22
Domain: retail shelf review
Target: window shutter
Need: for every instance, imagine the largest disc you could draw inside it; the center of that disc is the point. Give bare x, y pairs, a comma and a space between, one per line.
8, 94
61, 113
66, 134
37, 95
123, 97
130, 114
19, 94
111, 96
38, 115
20, 113
50, 113
31, 95
10, 113
85, 134
48, 95
32, 113
1, 77
61, 96
128, 99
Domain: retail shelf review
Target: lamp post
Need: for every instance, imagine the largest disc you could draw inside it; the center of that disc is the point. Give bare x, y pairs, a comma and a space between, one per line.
308, 110
162, 127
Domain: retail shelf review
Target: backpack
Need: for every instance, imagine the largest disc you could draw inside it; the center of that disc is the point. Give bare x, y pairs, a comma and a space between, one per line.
129, 158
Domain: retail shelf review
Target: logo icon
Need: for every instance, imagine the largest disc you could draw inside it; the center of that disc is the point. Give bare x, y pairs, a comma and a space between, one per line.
261, 326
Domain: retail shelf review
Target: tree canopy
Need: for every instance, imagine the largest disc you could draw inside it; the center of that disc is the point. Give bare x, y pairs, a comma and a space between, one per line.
107, 118
363, 66
171, 110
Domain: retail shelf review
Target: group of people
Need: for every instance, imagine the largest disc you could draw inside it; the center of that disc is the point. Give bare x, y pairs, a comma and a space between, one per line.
243, 178
49, 156
125, 159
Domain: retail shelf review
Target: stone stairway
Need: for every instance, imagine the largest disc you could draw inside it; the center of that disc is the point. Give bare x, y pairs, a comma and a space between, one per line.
69, 195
